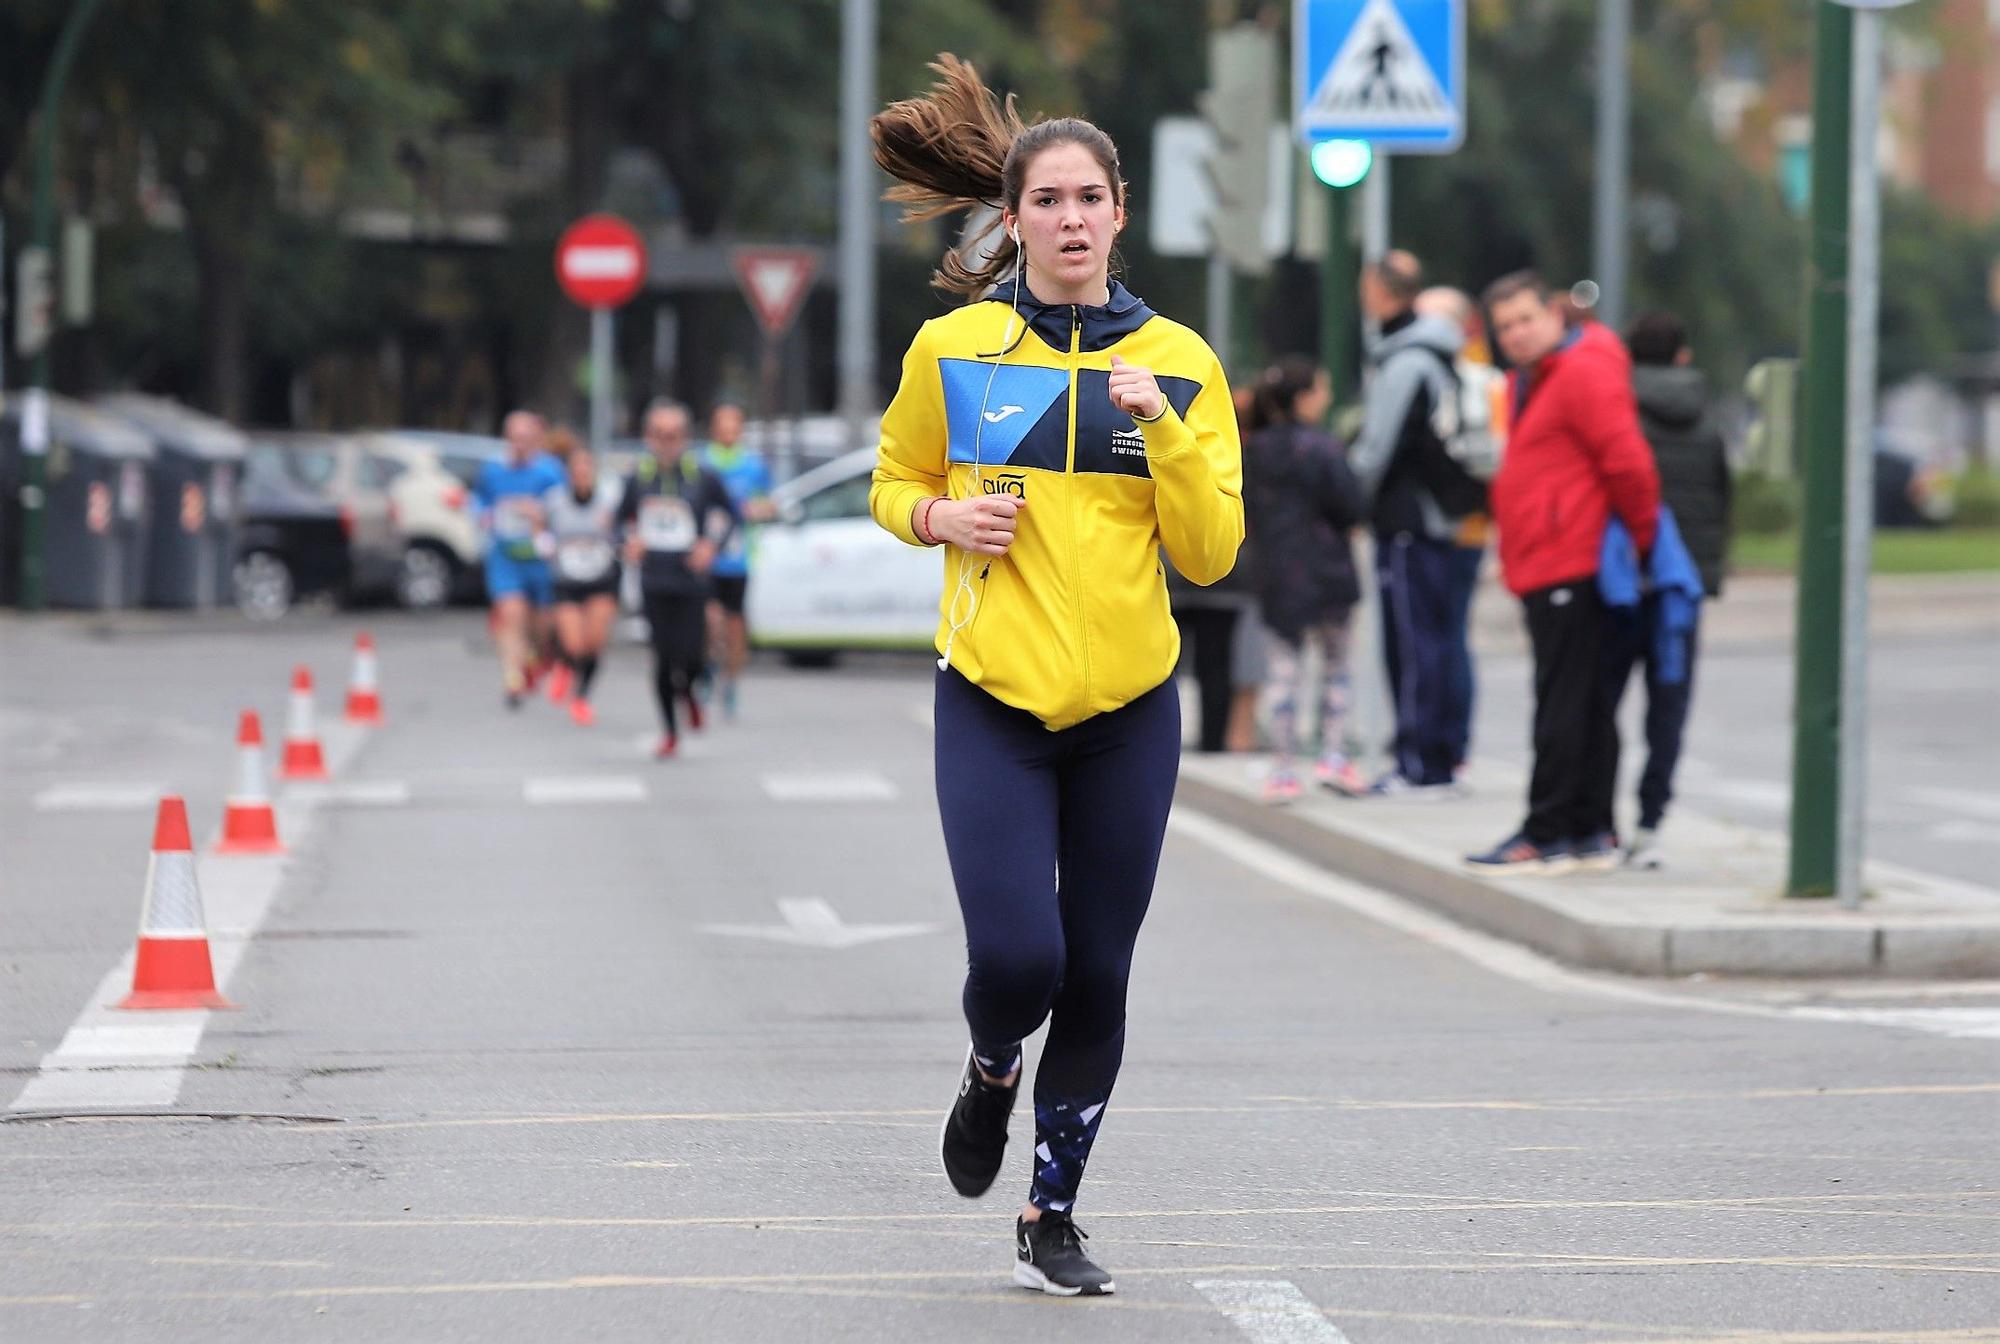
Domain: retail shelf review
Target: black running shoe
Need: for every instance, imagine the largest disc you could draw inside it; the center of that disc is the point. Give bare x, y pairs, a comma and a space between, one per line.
975, 1132
1049, 1257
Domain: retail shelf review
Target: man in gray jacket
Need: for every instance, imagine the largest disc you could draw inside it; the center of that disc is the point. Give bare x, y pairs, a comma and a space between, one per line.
1414, 493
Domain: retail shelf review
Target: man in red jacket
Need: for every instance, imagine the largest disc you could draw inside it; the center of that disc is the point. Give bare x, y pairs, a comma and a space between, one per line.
1575, 457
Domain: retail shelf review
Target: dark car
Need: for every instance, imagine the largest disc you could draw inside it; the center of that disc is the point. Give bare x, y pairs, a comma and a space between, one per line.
291, 543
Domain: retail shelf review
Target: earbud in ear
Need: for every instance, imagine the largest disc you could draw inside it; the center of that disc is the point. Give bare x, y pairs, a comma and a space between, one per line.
1015, 234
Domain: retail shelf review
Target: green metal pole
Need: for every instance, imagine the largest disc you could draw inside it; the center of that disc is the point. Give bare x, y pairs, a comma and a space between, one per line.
34, 577
1339, 320
1815, 827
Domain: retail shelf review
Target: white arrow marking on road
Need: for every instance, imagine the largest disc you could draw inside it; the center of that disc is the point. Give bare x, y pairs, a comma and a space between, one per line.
811, 922
1271, 1311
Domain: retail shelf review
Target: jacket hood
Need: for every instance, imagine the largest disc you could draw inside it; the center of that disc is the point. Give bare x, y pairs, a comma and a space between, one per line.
1670, 393
1429, 333
1103, 325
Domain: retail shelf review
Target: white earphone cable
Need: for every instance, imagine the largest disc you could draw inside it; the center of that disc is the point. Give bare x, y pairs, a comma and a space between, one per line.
964, 587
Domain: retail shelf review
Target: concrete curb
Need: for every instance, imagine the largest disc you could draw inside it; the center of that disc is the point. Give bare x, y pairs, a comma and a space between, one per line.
1945, 937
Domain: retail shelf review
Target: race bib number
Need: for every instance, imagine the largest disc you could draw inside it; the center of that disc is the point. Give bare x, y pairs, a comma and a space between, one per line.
583, 559
666, 524
513, 520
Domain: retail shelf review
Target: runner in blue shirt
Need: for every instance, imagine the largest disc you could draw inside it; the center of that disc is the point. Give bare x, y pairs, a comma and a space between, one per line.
747, 477
508, 501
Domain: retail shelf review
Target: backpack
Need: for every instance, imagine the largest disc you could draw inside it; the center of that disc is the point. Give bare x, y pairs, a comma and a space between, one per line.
1469, 424
1463, 451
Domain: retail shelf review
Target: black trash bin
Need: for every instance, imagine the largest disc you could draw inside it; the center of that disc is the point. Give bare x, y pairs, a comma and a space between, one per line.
195, 482
98, 506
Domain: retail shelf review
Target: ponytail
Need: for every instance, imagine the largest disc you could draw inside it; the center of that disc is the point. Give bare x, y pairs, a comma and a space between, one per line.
959, 146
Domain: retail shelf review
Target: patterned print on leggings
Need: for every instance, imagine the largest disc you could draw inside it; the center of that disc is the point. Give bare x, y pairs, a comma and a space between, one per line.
1064, 1131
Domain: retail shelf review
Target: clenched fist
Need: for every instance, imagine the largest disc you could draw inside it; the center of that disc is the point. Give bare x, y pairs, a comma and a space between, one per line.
984, 526
1135, 391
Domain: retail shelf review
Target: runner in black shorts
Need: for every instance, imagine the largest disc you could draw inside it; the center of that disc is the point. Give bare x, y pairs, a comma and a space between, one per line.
678, 518
583, 524
730, 592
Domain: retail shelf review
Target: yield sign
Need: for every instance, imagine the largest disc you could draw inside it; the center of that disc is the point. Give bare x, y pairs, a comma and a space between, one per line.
775, 280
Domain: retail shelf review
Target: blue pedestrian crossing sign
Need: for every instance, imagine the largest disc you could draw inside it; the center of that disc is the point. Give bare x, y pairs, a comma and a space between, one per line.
1391, 72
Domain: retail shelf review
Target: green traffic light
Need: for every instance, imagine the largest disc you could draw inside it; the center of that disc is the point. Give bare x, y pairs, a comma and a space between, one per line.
1342, 163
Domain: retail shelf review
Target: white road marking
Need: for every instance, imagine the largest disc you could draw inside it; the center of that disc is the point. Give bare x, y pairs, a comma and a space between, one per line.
849, 787
1750, 792
585, 789
1518, 963
1270, 1311
1984, 806
100, 797
811, 922
1965, 1024
356, 793
114, 1059
1967, 832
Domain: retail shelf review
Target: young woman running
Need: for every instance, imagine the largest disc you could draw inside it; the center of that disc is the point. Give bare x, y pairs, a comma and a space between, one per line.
1051, 438
583, 522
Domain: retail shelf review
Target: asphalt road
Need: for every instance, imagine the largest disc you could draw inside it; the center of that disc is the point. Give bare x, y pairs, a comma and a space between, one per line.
556, 1042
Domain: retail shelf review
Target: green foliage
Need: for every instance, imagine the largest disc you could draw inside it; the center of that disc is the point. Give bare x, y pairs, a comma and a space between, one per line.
1976, 499
1764, 505
1711, 240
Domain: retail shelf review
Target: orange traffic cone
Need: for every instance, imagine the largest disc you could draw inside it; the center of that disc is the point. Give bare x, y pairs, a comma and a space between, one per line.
173, 969
303, 757
249, 826
364, 701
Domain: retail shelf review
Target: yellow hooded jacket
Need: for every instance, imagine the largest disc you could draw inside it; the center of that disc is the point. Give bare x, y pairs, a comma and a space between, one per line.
1073, 620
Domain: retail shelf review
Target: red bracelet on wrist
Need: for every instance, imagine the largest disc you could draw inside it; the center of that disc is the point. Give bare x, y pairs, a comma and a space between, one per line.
924, 533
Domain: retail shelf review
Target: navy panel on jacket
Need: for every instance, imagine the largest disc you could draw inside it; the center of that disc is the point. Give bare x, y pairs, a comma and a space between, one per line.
1108, 440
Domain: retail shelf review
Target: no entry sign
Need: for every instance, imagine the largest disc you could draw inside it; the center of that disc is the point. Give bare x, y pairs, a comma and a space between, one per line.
601, 262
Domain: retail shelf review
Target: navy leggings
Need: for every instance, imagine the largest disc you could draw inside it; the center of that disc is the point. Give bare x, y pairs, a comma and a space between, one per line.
1054, 840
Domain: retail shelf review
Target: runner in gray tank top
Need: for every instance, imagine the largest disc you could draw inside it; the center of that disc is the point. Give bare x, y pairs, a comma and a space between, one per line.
583, 525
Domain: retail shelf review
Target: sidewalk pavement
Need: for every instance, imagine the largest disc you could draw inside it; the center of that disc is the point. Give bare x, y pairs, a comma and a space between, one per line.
1761, 610
1715, 907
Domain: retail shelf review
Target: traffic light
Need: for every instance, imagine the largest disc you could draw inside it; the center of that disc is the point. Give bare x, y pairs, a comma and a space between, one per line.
1242, 72
1342, 163
1773, 386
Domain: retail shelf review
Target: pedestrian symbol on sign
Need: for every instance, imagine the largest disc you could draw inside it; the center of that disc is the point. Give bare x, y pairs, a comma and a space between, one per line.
1390, 72
1380, 74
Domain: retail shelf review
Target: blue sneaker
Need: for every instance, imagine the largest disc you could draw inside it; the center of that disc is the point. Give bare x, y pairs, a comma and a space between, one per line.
1596, 854
1518, 856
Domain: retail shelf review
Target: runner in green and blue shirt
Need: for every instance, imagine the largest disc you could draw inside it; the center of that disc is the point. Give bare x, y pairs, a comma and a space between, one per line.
747, 477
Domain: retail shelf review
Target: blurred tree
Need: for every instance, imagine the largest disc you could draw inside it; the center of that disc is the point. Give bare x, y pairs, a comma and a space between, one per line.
250, 107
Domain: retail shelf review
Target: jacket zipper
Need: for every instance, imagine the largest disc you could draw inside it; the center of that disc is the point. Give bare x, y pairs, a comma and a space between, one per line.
1075, 517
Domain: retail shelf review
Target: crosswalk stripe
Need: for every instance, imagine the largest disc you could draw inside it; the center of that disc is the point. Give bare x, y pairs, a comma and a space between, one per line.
853, 786
1270, 1311
102, 797
584, 789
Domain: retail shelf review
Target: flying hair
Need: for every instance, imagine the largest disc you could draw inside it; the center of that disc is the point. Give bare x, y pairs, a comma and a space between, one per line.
959, 146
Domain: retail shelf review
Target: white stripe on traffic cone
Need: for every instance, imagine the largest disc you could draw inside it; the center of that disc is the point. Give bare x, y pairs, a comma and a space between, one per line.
364, 700
303, 758
249, 825
172, 969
